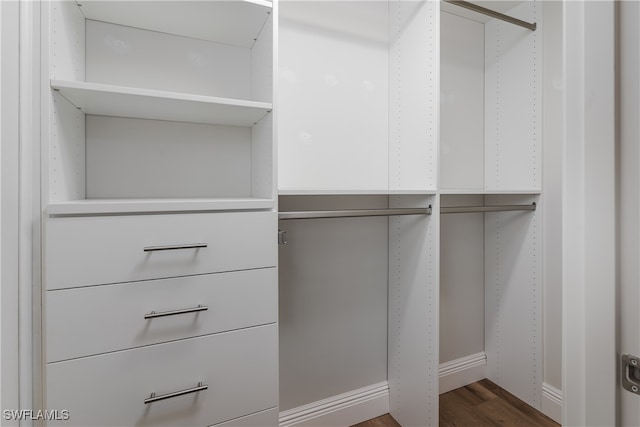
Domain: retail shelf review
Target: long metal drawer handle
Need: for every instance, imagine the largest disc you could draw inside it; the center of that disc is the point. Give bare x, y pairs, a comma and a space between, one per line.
153, 314
175, 247
154, 398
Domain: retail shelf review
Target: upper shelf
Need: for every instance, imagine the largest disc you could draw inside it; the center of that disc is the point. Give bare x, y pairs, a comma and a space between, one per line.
235, 22
119, 101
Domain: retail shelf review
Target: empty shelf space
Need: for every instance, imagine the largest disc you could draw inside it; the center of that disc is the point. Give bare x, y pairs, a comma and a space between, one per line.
124, 206
120, 101
235, 22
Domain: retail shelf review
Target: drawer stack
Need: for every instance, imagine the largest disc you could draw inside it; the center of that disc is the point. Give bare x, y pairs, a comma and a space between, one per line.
162, 319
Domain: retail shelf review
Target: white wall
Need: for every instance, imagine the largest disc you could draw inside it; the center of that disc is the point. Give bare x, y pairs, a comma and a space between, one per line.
461, 280
333, 300
9, 172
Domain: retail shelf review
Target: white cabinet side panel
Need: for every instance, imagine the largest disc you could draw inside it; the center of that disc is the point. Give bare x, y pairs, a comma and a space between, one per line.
67, 179
413, 314
262, 68
262, 158
126, 56
333, 98
413, 94
67, 41
461, 103
461, 280
551, 200
513, 101
513, 298
150, 158
333, 301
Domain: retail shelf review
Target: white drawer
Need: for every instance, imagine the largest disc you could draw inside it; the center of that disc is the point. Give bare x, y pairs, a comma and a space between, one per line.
240, 369
84, 251
98, 319
268, 418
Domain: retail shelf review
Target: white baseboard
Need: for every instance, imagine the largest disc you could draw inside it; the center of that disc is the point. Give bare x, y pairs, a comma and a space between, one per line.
461, 372
342, 410
552, 402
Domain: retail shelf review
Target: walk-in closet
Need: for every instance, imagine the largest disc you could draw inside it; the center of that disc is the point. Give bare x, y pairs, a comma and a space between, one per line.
298, 213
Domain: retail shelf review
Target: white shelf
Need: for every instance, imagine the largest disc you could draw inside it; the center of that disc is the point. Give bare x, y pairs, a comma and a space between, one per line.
116, 206
329, 192
489, 192
235, 22
119, 101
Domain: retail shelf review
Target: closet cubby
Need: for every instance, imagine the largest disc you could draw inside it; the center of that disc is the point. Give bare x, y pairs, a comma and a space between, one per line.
490, 107
161, 105
491, 291
358, 303
358, 97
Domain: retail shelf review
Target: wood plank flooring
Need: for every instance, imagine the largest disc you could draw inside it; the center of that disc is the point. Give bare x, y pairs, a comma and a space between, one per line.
481, 404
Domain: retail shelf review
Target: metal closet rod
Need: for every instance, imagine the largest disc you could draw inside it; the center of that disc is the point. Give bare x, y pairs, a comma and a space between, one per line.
350, 213
476, 209
493, 14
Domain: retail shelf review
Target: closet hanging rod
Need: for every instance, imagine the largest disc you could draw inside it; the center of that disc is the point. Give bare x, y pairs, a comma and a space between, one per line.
350, 213
493, 14
476, 209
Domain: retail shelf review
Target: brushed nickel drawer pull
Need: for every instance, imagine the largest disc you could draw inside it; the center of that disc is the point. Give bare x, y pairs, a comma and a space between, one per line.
154, 398
153, 314
175, 247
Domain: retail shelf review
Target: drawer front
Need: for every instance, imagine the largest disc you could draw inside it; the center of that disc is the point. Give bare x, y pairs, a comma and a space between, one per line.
85, 251
98, 319
240, 369
267, 418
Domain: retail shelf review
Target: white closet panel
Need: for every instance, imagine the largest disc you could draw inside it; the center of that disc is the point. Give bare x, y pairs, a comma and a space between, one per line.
414, 313
67, 48
513, 299
67, 151
413, 94
513, 102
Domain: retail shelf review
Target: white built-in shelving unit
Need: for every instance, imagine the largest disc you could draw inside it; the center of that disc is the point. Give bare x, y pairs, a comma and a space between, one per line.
407, 104
159, 243
172, 134
490, 154
160, 100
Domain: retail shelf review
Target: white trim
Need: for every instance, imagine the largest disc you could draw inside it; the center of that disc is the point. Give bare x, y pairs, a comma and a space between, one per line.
552, 402
589, 229
463, 371
341, 410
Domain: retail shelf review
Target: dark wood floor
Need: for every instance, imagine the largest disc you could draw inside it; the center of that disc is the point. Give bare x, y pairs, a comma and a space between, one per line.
481, 404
